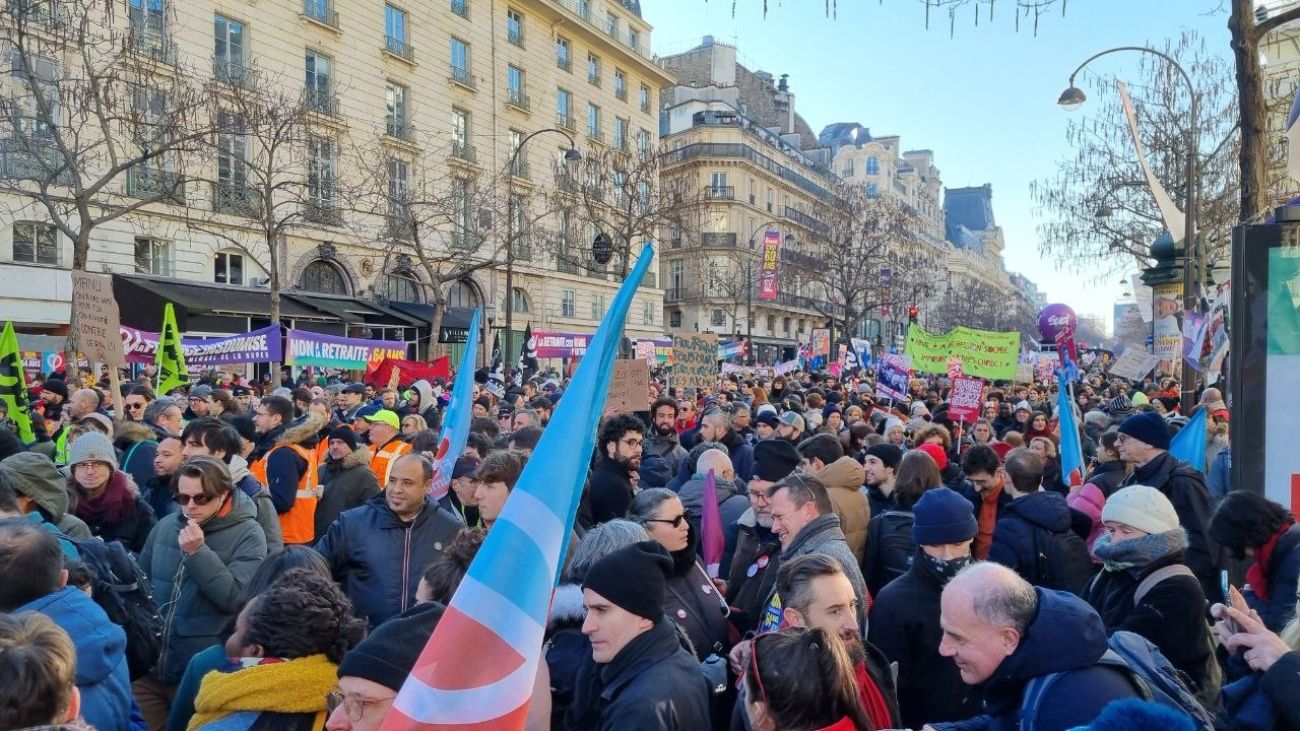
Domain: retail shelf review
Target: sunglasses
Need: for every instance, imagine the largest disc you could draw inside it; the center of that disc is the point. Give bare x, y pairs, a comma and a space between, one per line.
200, 499
675, 522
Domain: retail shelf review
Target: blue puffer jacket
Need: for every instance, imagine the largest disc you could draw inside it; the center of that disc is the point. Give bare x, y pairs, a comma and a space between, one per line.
102, 675
1065, 636
378, 559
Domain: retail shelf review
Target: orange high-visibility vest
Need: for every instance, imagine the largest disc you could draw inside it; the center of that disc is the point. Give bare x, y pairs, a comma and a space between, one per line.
382, 462
298, 524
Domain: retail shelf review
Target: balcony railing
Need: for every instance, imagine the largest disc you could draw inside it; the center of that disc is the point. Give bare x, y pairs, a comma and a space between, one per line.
805, 220
628, 39
521, 170
154, 47
399, 222
518, 99
464, 151
320, 210
564, 63
515, 35
232, 72
593, 78
721, 192
620, 93
596, 135
566, 264
402, 129
464, 240
461, 76
238, 199
564, 119
399, 48
460, 7
322, 101
321, 11
148, 182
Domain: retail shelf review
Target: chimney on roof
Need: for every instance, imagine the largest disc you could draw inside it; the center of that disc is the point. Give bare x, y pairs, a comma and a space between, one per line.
708, 41
784, 84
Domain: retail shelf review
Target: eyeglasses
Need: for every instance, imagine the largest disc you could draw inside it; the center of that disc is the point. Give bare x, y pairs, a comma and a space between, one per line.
135, 407
634, 443
675, 522
753, 668
354, 705
200, 499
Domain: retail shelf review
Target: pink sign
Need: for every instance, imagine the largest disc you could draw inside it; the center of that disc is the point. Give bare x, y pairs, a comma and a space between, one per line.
964, 401
560, 344
767, 273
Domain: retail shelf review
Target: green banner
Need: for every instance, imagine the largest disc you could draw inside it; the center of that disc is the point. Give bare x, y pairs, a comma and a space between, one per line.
13, 384
170, 360
984, 354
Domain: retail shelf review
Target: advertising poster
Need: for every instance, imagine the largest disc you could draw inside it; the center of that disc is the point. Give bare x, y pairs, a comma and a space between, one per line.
767, 273
1167, 327
1282, 417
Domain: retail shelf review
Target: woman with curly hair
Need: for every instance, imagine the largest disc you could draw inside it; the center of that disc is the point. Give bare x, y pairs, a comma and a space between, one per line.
284, 658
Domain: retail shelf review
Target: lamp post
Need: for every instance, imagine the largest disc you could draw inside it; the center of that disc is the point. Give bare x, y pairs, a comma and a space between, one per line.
749, 288
571, 159
1073, 97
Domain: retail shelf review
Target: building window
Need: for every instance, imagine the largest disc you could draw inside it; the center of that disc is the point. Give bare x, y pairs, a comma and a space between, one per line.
634, 39
847, 171
324, 277
785, 325
643, 142
597, 306
460, 7
718, 318
873, 190
563, 58
36, 243
675, 318
459, 127
563, 108
515, 85
620, 133
401, 287
395, 31
228, 268
593, 121
676, 278
319, 97
771, 324
611, 25
515, 27
461, 294
230, 45
568, 303
463, 235
232, 153
320, 174
593, 70
644, 97
460, 60
620, 84
873, 166
153, 256
647, 313
399, 123
399, 187
519, 301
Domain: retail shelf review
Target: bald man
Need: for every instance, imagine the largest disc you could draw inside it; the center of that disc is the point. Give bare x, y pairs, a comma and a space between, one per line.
81, 403
1002, 633
732, 498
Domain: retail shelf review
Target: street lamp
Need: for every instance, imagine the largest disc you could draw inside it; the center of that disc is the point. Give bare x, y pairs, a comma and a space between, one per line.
1073, 97
749, 288
571, 160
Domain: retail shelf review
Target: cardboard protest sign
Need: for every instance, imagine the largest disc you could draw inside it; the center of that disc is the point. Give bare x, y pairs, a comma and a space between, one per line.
1133, 364
629, 387
96, 319
695, 360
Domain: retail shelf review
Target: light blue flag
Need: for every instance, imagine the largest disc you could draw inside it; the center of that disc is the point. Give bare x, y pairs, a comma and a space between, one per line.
455, 425
1189, 444
1072, 468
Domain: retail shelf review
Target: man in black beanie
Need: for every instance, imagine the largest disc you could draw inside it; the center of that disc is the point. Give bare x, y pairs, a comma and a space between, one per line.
754, 563
372, 673
639, 675
345, 477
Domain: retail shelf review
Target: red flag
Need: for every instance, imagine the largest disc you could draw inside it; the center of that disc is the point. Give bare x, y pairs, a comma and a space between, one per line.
711, 527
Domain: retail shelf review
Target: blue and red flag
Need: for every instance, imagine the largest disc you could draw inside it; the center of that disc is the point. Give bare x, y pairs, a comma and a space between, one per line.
478, 668
1072, 468
455, 427
711, 538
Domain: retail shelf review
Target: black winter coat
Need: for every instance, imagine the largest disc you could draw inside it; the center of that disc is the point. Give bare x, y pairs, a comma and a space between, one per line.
1013, 540
880, 502
1185, 488
1107, 476
692, 601
345, 484
905, 626
1171, 615
753, 572
653, 683
611, 490
1283, 569
378, 558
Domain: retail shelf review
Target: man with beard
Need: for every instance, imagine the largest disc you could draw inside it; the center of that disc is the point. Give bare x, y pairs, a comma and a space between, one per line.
755, 562
662, 441
790, 427
613, 479
158, 489
879, 464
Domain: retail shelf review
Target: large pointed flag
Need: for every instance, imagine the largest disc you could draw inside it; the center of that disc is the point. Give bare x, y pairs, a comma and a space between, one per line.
13, 384
1293, 139
496, 382
527, 355
1189, 443
478, 668
711, 539
1169, 212
455, 425
170, 358
1071, 448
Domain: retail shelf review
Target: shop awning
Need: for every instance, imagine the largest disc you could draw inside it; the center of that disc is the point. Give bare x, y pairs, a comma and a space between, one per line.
141, 299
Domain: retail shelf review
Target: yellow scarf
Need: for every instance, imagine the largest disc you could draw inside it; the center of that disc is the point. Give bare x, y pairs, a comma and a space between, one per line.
293, 686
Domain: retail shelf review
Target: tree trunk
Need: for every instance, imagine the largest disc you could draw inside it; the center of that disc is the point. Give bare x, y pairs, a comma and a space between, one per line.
273, 284
1252, 109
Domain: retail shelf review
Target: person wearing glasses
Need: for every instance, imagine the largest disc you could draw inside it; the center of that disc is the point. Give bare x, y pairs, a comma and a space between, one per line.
372, 672
757, 554
199, 562
613, 479
106, 498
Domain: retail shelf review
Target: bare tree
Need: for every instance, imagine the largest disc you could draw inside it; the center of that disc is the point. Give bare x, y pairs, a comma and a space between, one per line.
99, 119
1247, 30
1097, 212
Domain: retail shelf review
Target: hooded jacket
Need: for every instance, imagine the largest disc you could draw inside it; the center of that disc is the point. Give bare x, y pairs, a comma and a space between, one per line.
378, 558
1013, 540
261, 498
428, 404
345, 484
1185, 488
732, 504
667, 447
844, 478
138, 446
199, 594
36, 477
1065, 636
823, 535
652, 683
102, 674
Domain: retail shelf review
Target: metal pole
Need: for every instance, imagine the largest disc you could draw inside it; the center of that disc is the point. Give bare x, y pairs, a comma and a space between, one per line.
749, 308
1191, 248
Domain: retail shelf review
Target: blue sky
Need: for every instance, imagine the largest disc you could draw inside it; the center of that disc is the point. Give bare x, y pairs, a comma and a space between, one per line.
982, 99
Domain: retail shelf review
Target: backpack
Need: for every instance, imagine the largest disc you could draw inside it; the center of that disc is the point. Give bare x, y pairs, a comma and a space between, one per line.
122, 590
1154, 677
890, 550
1061, 561
1208, 694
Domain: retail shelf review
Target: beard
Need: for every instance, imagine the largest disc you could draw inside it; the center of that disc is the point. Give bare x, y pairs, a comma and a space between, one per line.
631, 464
664, 431
853, 643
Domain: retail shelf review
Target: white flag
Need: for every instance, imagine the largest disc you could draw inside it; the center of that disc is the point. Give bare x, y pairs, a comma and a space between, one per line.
1173, 217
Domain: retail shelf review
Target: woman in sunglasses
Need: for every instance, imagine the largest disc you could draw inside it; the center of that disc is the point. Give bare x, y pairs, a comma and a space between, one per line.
802, 680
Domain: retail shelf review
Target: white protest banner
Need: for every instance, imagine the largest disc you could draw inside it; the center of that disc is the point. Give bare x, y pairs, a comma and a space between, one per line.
1133, 364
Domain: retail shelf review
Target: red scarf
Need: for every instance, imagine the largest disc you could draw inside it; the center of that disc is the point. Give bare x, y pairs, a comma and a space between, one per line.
987, 521
1257, 574
844, 724
872, 699
114, 505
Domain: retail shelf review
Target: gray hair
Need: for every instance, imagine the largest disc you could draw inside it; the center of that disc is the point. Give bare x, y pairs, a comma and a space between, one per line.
601, 541
1000, 596
721, 417
646, 503
693, 456
156, 408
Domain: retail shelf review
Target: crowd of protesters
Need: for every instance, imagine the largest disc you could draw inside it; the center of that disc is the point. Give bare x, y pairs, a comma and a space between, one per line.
237, 556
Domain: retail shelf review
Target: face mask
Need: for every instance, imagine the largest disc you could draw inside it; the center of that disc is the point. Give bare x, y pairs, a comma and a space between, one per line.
947, 569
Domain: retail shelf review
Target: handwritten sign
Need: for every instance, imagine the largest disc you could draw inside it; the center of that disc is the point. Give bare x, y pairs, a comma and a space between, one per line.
983, 353
645, 350
954, 367
1024, 372
1133, 364
964, 401
629, 387
97, 319
695, 360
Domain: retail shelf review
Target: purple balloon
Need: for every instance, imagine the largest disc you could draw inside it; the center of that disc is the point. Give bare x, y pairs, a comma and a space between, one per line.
1055, 320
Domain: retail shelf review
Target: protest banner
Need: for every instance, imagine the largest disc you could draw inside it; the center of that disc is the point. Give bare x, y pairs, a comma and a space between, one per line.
331, 351
392, 372
735, 349
984, 354
257, 346
13, 384
95, 318
629, 388
645, 350
786, 368
892, 376
1133, 364
821, 341
695, 360
863, 350
561, 344
1046, 365
965, 398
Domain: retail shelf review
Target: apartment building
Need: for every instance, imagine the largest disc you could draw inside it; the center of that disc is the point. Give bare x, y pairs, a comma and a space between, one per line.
422, 91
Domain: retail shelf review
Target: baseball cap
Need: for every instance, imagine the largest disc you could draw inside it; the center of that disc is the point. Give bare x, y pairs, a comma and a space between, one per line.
790, 418
355, 388
383, 416
202, 391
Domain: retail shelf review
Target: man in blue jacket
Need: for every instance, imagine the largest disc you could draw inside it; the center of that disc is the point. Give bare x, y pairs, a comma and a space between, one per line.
34, 580
1002, 632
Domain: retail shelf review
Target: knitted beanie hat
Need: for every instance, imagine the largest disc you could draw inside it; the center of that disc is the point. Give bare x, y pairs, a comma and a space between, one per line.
633, 578
943, 516
1141, 507
92, 447
1147, 427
